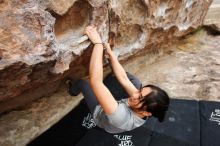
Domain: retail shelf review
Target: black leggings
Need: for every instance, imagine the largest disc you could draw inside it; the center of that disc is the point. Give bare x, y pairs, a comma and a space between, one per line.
112, 84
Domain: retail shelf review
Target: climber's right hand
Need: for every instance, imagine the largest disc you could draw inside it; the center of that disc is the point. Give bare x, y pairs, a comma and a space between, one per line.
93, 34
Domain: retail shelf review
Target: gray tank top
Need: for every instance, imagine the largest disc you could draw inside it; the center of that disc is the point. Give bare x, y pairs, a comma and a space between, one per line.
123, 119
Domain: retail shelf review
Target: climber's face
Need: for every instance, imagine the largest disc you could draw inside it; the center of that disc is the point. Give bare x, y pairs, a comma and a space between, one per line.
135, 100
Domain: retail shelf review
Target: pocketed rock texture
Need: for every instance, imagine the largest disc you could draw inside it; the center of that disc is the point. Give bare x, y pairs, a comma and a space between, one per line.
42, 41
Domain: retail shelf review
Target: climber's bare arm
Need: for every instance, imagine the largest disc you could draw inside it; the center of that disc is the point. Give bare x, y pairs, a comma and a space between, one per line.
120, 72
104, 97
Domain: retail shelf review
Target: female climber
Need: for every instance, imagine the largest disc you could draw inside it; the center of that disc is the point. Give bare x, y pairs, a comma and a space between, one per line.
108, 113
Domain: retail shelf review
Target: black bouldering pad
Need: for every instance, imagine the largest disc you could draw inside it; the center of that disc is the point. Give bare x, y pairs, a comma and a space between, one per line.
210, 123
181, 127
98, 137
182, 123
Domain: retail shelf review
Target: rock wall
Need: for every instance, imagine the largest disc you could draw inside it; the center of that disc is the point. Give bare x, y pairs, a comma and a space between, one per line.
42, 41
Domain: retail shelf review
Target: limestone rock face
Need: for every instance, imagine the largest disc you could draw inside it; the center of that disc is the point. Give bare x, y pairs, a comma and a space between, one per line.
42, 41
59, 6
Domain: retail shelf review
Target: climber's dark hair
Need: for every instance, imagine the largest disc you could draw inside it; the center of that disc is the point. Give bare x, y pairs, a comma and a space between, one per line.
156, 102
